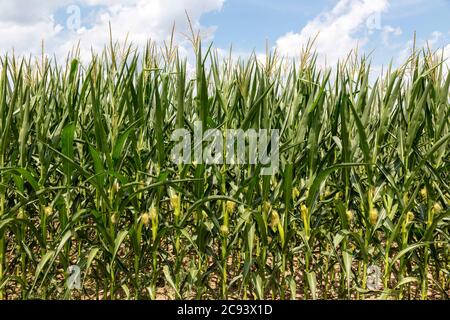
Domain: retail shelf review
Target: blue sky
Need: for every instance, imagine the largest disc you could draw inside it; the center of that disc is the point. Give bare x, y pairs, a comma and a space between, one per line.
249, 23
386, 26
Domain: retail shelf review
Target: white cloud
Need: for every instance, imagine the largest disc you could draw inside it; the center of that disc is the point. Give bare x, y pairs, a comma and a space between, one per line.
140, 19
446, 55
388, 31
26, 38
23, 30
436, 41
28, 12
339, 30
436, 36
154, 19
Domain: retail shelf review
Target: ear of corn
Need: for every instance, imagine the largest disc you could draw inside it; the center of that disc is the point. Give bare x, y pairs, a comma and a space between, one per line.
85, 178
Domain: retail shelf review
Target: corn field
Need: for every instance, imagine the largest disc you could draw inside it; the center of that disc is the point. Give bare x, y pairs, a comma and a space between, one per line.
359, 208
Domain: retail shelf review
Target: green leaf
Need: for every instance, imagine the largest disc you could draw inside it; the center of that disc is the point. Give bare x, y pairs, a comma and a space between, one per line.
118, 241
312, 283
169, 279
67, 149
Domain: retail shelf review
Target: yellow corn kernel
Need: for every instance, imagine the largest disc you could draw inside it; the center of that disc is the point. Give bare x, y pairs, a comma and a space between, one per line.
373, 216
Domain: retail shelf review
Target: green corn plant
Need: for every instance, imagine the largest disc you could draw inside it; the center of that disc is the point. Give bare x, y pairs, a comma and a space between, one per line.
87, 179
